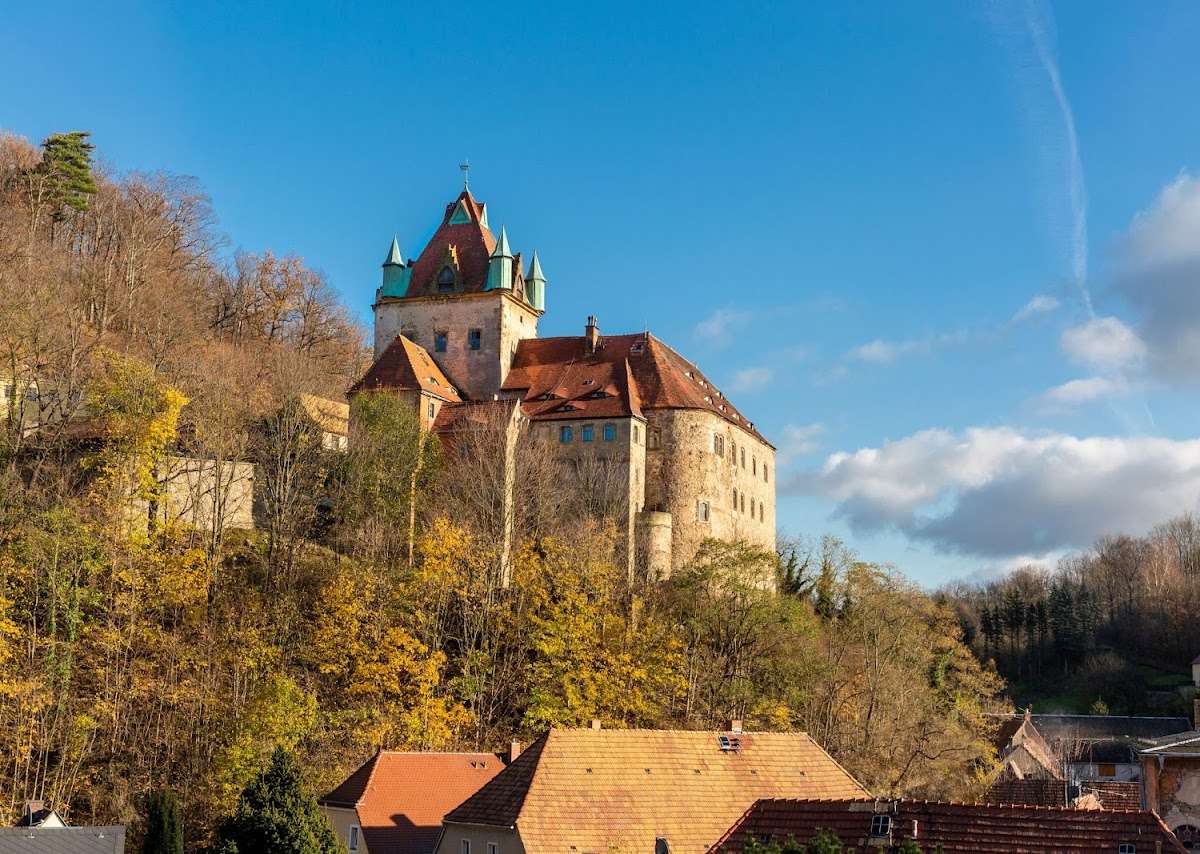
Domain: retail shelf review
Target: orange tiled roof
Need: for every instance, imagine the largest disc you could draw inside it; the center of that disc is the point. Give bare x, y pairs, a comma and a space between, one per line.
596, 790
955, 827
400, 798
407, 366
626, 375
473, 243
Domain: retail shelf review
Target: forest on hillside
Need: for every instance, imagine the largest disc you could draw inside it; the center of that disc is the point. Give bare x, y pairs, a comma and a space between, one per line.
1111, 629
373, 606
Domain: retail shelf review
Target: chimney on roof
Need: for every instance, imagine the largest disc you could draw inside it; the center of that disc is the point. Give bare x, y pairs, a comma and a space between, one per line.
592, 333
514, 750
595, 723
735, 726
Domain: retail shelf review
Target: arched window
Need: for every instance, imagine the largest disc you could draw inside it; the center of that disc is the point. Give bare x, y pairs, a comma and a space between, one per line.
445, 280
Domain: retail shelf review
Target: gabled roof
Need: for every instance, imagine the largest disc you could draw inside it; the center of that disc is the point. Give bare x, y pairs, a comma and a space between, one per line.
62, 840
1106, 727
400, 798
1178, 744
601, 790
332, 416
473, 415
1043, 792
639, 372
407, 366
955, 827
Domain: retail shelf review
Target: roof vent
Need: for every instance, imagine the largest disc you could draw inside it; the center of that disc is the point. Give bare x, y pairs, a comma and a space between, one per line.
729, 743
636, 347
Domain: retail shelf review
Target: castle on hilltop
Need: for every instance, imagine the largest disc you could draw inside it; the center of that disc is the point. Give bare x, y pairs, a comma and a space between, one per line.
456, 329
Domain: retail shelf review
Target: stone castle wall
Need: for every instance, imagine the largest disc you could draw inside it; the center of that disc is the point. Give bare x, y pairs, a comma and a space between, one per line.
684, 470
501, 319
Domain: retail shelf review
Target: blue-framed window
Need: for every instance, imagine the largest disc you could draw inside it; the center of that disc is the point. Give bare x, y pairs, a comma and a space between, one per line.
610, 432
439, 342
586, 434
566, 435
475, 339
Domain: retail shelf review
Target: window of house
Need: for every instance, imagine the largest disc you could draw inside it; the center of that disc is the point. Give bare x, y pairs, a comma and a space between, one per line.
733, 453
566, 435
751, 508
760, 512
1108, 769
742, 502
586, 433
445, 280
352, 838
1126, 848
465, 847
701, 511
718, 445
743, 456
881, 825
764, 473
475, 338
610, 432
635, 434
654, 439
754, 465
439, 341
432, 410
493, 848
735, 498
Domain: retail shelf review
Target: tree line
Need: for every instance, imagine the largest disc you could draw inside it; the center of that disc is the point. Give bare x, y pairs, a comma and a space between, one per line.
390, 597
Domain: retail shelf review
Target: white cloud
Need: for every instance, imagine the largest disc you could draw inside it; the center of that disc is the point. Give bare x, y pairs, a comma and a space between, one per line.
1000, 492
798, 441
719, 327
1104, 343
1040, 304
1159, 274
883, 352
751, 379
1075, 392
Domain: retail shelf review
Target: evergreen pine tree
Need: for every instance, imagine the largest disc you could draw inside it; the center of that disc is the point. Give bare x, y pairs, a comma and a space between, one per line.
67, 166
276, 814
164, 830
825, 842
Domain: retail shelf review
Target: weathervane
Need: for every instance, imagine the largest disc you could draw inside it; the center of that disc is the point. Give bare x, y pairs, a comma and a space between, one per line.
465, 166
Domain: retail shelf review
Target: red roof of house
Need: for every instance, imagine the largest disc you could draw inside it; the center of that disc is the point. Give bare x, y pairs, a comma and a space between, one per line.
626, 375
466, 245
407, 366
954, 827
401, 798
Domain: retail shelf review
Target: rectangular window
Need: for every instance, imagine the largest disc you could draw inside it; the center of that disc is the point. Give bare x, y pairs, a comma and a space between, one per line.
718, 445
635, 434
586, 433
566, 435
432, 410
735, 499
475, 338
610, 432
754, 465
654, 439
765, 473
465, 847
493, 848
439, 341
352, 841
881, 825
742, 502
1107, 769
1126, 848
751, 508
701, 511
760, 512
733, 453
743, 456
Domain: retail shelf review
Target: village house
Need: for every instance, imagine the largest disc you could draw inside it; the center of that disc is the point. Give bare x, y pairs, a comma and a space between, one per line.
41, 830
878, 825
456, 329
1171, 779
597, 790
394, 802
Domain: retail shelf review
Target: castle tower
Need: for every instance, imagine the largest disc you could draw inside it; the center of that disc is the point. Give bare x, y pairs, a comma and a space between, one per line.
464, 299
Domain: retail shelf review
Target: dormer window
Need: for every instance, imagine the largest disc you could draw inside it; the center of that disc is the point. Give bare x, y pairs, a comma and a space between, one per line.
881, 825
445, 280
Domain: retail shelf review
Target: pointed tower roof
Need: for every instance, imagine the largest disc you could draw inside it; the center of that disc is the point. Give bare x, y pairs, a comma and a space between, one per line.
394, 258
464, 228
502, 250
535, 271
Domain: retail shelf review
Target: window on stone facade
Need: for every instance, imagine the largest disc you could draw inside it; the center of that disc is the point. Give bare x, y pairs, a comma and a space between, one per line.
751, 508
445, 280
764, 472
635, 434
586, 433
760, 512
474, 339
743, 456
754, 465
352, 838
610, 432
733, 453
654, 438
742, 503
735, 498
566, 435
718, 445
439, 341
701, 511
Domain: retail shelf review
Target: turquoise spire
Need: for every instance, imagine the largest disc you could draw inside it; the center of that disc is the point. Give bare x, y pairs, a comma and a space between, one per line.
535, 285
500, 267
395, 273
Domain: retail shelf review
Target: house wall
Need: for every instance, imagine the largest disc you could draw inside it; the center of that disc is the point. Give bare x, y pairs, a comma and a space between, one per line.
342, 819
507, 841
1174, 790
200, 492
1122, 771
502, 319
683, 468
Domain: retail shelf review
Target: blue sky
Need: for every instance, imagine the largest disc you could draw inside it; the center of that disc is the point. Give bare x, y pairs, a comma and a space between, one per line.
943, 254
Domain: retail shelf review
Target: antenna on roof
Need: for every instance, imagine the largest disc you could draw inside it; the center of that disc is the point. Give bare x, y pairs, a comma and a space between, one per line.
465, 166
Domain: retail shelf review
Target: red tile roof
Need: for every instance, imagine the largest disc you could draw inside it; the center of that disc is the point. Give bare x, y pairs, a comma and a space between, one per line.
626, 375
955, 827
1045, 793
400, 798
1114, 794
600, 790
407, 366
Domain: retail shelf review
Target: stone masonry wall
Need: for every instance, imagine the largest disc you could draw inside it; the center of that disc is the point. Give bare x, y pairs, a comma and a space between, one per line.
501, 319
684, 468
